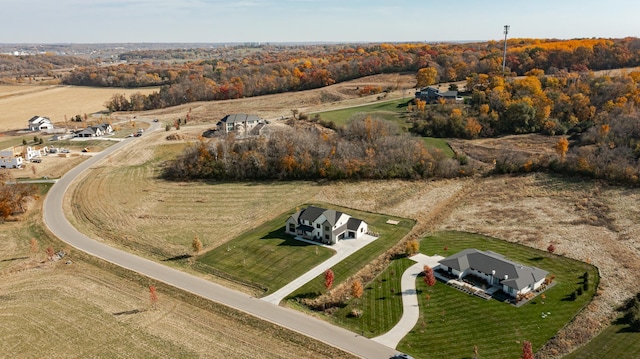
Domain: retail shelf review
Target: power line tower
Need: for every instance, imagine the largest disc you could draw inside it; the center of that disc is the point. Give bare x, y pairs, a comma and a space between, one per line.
504, 56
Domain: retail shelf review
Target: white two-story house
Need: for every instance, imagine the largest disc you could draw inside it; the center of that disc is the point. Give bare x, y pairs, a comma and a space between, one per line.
324, 225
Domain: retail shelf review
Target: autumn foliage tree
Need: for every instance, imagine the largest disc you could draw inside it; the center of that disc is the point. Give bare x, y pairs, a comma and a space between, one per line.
357, 289
426, 76
328, 279
412, 247
527, 350
196, 244
153, 296
429, 277
562, 147
551, 248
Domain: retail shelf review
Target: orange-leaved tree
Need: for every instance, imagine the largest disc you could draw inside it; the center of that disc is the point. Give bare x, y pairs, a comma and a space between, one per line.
527, 350
562, 147
153, 296
328, 279
429, 277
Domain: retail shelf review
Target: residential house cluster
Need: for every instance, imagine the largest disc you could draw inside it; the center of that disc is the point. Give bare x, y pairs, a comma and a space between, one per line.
324, 225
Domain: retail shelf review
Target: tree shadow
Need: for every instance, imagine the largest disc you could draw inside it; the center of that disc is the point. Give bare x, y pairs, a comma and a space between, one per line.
13, 259
177, 258
307, 295
536, 259
129, 312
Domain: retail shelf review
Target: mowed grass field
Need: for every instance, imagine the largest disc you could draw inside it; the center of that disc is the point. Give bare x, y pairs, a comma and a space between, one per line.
90, 309
451, 317
20, 103
265, 256
616, 341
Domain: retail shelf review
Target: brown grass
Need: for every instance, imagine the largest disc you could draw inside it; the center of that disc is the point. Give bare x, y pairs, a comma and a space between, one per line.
21, 102
90, 309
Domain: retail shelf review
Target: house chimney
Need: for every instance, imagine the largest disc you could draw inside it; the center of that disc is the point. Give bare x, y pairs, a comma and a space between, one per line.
493, 272
506, 276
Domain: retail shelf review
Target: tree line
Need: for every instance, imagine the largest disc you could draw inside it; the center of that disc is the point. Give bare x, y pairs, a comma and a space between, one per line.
232, 73
365, 149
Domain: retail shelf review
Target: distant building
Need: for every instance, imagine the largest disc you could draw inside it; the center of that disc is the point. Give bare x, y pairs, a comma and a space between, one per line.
39, 123
238, 122
432, 95
11, 158
95, 131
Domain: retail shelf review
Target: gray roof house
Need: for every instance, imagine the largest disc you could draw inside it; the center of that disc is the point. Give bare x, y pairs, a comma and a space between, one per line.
511, 277
432, 94
238, 122
324, 225
95, 131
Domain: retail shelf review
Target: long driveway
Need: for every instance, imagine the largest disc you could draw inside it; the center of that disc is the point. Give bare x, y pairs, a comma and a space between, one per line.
56, 221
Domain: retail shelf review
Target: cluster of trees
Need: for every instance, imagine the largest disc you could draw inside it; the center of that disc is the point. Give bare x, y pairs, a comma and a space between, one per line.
549, 104
13, 197
15, 67
368, 148
231, 73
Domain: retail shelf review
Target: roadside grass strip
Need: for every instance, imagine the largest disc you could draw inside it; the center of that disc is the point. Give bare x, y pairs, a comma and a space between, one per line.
453, 322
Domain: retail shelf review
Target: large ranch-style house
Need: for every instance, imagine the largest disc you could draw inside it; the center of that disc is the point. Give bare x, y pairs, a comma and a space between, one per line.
238, 122
512, 278
39, 123
324, 225
95, 131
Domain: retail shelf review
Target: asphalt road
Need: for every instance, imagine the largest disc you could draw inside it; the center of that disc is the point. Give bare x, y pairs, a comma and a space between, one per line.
56, 221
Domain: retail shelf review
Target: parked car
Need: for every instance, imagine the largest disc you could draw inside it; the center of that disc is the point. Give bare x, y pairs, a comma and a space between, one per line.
130, 135
155, 120
137, 134
36, 160
402, 356
85, 150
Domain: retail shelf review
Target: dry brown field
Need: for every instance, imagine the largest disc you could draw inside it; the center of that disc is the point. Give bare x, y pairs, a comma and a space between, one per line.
19, 103
76, 307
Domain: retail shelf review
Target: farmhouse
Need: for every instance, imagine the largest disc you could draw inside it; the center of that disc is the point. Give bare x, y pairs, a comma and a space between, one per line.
238, 122
324, 225
432, 95
39, 123
95, 131
512, 278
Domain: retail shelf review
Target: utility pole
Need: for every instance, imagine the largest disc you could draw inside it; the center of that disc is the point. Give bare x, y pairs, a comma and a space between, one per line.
504, 57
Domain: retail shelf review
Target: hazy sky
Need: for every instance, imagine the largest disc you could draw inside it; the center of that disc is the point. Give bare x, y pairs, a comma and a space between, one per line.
91, 21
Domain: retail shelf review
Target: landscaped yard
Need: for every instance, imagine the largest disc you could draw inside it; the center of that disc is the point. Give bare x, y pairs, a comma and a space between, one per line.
381, 303
268, 258
453, 322
265, 257
389, 235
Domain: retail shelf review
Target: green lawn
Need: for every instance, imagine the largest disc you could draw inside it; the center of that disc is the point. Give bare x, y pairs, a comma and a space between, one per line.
389, 236
614, 342
440, 144
389, 110
265, 257
381, 303
453, 322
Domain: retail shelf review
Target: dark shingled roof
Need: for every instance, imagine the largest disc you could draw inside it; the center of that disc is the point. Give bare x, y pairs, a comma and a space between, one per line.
353, 223
239, 118
311, 213
518, 276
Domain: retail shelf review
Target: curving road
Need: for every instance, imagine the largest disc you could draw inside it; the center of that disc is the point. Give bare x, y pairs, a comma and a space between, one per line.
56, 221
